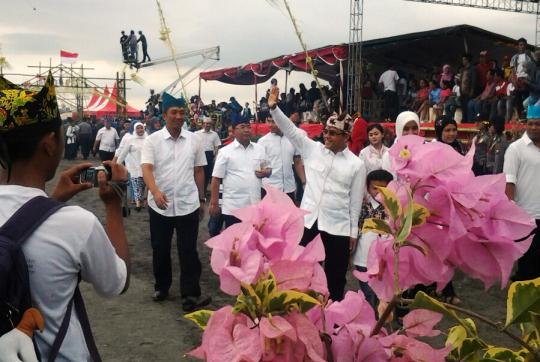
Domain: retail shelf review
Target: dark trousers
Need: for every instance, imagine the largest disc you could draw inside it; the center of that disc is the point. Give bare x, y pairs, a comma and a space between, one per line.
85, 141
337, 259
369, 294
290, 194
187, 230
70, 152
215, 224
528, 266
230, 220
145, 54
208, 168
106, 156
391, 104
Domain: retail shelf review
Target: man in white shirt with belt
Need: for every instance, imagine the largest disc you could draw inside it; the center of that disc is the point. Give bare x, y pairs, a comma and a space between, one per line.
107, 139
522, 169
282, 155
240, 166
211, 142
172, 161
335, 180
388, 81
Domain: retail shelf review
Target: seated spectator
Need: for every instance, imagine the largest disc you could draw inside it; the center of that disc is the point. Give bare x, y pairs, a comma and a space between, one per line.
446, 75
507, 69
497, 104
422, 97
434, 97
483, 67
412, 90
445, 94
481, 103
453, 102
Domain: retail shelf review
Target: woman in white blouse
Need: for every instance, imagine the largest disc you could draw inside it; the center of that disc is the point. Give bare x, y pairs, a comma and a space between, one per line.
133, 148
372, 155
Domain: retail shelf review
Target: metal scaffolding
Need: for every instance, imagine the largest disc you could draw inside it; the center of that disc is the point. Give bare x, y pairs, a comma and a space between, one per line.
354, 71
517, 6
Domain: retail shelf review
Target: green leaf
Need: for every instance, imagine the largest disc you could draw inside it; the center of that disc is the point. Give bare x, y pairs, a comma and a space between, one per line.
523, 297
503, 355
280, 302
200, 317
420, 215
377, 226
391, 203
416, 246
406, 226
456, 336
471, 350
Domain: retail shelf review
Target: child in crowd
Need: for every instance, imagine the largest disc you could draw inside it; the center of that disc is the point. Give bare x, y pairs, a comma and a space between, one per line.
371, 208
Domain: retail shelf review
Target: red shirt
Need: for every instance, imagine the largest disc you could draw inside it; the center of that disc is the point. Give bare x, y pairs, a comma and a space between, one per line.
358, 136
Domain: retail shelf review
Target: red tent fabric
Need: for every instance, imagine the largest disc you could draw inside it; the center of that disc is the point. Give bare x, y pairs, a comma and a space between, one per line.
106, 105
255, 73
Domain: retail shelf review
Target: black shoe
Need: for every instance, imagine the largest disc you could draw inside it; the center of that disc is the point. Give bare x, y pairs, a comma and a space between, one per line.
190, 304
159, 296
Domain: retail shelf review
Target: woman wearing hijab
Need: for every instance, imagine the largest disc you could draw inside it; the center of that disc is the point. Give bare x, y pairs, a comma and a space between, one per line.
407, 123
446, 75
133, 149
446, 132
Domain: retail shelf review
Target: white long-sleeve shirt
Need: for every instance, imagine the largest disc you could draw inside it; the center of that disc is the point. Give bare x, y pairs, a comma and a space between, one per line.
335, 182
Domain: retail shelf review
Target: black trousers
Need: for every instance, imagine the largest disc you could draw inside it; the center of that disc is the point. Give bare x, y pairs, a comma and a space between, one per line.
106, 156
391, 105
70, 152
336, 262
208, 168
187, 231
528, 266
85, 140
290, 194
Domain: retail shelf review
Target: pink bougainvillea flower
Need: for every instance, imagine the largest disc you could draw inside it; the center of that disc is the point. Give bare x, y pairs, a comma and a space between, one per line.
308, 335
235, 257
406, 349
353, 309
276, 217
420, 323
229, 337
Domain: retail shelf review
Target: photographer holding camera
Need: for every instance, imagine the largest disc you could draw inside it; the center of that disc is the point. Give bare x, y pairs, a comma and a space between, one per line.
71, 244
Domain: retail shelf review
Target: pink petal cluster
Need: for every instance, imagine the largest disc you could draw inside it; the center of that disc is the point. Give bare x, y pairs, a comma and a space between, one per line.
473, 226
268, 238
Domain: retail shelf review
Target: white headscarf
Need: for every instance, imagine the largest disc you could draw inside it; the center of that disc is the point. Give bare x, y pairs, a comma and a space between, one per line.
402, 119
135, 130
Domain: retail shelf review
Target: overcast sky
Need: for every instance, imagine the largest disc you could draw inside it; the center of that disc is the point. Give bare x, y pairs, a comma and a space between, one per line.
34, 31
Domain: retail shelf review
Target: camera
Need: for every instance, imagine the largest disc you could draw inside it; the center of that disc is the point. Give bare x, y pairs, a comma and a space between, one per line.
90, 174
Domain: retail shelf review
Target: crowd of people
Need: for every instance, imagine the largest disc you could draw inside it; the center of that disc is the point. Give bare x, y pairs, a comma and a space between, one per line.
184, 158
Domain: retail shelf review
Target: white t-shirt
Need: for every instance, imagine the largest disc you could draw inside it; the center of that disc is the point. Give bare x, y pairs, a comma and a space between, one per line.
522, 168
210, 140
174, 162
107, 139
236, 165
389, 80
69, 242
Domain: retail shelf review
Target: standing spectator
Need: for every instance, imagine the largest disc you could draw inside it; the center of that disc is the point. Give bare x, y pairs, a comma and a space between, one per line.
133, 145
523, 69
85, 138
246, 113
313, 94
172, 161
481, 142
534, 84
497, 146
239, 166
373, 154
70, 245
144, 46
388, 83
481, 104
359, 135
210, 143
335, 184
107, 139
71, 140
133, 46
522, 169
468, 80
282, 155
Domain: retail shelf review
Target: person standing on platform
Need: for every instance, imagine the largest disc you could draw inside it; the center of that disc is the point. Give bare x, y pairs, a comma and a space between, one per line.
240, 166
124, 43
522, 169
282, 155
144, 46
133, 46
334, 190
106, 141
211, 142
388, 82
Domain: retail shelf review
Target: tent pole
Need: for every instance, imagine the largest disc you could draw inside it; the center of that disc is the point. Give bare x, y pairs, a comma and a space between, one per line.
286, 80
199, 87
255, 103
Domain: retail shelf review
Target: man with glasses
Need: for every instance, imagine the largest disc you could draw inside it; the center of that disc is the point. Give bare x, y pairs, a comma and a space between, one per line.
240, 166
334, 190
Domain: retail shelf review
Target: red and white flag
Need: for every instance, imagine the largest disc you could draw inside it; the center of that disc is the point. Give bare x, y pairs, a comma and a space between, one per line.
68, 57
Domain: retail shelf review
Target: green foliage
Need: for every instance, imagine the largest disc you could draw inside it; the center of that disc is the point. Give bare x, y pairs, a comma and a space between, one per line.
523, 299
200, 317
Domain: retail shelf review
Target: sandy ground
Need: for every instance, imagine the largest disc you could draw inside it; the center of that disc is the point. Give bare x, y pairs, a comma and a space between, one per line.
132, 327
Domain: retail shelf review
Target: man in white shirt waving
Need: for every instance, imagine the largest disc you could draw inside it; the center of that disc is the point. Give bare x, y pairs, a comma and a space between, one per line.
211, 142
172, 161
240, 166
282, 154
335, 180
522, 169
107, 139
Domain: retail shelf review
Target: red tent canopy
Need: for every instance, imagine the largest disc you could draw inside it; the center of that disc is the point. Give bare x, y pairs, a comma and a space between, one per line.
255, 73
106, 105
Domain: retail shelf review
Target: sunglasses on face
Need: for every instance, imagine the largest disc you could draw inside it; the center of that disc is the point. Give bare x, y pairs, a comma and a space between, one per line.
331, 132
